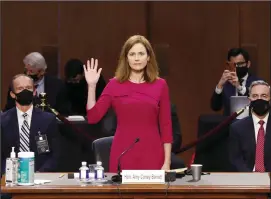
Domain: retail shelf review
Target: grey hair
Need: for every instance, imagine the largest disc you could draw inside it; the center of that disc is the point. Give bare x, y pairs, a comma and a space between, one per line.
35, 60
258, 82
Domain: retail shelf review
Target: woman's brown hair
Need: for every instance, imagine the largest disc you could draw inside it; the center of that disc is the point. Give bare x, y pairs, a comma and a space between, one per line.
151, 71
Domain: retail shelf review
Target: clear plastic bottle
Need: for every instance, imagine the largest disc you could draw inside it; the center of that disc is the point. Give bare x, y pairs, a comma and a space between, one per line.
99, 171
91, 173
12, 169
83, 174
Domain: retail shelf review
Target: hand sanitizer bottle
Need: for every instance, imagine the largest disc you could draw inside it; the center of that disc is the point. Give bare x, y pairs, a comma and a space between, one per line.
11, 169
83, 175
99, 171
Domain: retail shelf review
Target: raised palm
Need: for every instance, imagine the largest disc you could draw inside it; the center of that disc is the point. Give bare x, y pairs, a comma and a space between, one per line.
92, 75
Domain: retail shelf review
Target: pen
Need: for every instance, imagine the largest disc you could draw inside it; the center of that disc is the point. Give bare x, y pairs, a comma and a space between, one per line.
61, 175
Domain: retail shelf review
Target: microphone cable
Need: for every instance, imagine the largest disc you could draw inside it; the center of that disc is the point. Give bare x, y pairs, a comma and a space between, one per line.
118, 188
168, 185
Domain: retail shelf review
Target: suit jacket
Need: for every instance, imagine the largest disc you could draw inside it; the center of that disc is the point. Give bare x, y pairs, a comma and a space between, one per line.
218, 101
109, 126
41, 121
56, 96
242, 145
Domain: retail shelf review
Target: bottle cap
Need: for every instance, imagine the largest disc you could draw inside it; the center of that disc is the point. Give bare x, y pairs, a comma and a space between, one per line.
26, 154
99, 163
84, 163
12, 154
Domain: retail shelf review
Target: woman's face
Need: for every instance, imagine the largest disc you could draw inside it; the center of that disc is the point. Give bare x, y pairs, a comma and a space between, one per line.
138, 57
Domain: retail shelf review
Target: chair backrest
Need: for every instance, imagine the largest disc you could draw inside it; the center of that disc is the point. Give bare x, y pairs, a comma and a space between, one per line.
213, 151
102, 148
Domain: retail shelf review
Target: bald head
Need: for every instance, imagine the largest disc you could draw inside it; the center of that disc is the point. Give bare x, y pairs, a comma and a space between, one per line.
20, 82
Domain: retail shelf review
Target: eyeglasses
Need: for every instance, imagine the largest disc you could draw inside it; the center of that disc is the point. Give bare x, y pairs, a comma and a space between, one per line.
240, 64
31, 71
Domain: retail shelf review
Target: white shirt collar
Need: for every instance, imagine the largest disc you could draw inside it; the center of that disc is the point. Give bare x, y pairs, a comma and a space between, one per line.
28, 112
256, 119
40, 82
245, 77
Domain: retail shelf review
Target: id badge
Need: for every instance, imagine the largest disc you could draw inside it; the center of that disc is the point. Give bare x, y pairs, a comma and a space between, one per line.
42, 144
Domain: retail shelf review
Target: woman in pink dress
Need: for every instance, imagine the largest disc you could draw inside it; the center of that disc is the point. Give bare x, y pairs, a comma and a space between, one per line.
141, 102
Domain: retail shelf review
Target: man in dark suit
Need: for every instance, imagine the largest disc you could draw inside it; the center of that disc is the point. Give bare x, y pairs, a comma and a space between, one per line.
35, 67
24, 125
234, 81
250, 138
109, 125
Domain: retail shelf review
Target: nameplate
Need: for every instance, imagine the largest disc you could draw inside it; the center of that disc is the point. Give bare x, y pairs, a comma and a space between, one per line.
143, 176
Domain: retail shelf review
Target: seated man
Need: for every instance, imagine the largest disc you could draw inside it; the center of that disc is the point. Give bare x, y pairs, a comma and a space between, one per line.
35, 67
250, 138
234, 81
109, 124
77, 86
23, 124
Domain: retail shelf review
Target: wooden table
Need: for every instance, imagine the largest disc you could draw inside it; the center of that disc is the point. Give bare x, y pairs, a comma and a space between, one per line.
215, 185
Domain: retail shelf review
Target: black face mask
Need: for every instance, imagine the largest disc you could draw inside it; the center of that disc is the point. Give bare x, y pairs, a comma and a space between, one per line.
25, 97
241, 71
34, 77
260, 106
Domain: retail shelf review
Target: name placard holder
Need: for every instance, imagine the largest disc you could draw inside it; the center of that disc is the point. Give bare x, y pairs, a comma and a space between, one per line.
143, 177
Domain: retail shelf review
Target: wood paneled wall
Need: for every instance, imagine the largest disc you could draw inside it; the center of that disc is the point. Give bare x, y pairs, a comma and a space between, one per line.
191, 40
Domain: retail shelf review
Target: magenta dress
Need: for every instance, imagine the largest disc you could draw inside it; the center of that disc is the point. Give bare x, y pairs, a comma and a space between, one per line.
143, 111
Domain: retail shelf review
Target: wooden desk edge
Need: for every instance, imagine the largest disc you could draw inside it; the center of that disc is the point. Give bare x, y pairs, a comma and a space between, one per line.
136, 189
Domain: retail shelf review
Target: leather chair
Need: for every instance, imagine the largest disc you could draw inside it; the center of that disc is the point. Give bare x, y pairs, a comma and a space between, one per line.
101, 148
212, 153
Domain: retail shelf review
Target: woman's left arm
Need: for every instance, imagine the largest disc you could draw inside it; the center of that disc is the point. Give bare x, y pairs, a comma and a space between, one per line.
165, 125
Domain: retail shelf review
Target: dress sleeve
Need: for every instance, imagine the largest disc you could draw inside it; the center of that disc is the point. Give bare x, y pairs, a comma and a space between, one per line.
96, 113
164, 116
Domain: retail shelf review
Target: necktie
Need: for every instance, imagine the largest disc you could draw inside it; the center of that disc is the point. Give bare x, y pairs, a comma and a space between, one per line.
24, 135
241, 82
259, 159
36, 89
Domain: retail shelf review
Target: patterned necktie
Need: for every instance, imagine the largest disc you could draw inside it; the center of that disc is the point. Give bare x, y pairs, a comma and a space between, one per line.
36, 89
24, 135
241, 82
259, 159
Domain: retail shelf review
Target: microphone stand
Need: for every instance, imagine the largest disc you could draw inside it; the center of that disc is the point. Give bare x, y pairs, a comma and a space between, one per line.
118, 178
44, 105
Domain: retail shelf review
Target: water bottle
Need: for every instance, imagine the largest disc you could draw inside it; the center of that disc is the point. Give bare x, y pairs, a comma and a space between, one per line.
99, 171
91, 174
83, 174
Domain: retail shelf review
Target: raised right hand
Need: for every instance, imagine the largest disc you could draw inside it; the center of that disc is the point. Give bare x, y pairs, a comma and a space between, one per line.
91, 74
225, 77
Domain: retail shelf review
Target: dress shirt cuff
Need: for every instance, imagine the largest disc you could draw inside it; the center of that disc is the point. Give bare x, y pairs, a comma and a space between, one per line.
218, 90
242, 90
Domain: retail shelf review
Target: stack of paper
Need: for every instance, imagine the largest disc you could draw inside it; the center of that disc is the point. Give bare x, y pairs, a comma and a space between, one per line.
74, 118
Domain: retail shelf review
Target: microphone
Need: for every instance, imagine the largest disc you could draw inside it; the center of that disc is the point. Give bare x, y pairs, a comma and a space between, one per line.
118, 178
